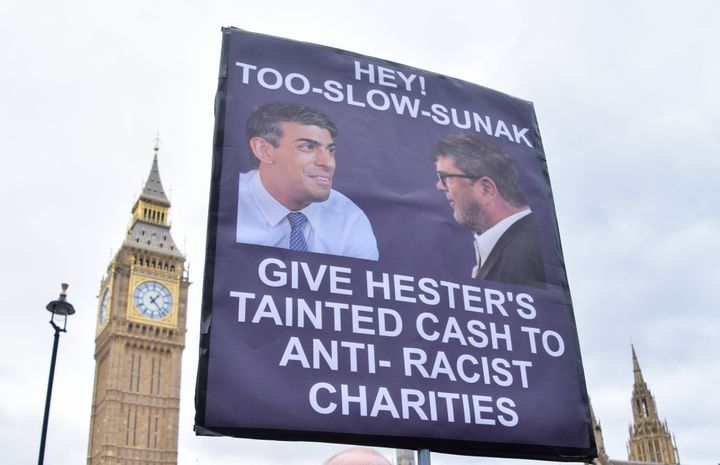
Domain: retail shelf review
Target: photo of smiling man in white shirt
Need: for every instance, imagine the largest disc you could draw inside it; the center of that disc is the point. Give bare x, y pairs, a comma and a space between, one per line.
287, 201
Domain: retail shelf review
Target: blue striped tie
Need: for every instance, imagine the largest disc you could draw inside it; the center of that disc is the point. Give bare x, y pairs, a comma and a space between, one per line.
297, 240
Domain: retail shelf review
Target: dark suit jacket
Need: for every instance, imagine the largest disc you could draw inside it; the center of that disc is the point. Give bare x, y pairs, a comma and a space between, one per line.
516, 258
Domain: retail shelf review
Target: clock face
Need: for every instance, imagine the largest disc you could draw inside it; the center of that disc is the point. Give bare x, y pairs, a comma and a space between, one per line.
103, 310
153, 300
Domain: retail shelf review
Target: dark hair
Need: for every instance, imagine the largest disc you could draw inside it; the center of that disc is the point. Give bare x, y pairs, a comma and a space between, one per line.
477, 157
266, 122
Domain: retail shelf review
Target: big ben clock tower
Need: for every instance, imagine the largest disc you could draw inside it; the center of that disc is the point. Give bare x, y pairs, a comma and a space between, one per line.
139, 340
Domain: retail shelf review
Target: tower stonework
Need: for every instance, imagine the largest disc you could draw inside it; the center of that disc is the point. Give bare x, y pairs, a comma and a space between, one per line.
650, 440
602, 458
140, 337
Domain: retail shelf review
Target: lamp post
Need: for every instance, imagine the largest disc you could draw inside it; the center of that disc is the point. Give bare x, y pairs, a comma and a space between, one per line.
61, 309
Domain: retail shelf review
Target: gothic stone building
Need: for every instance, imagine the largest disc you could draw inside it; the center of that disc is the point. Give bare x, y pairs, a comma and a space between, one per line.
139, 341
650, 440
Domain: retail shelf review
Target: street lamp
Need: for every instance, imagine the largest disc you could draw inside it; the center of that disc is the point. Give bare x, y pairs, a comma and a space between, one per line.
61, 309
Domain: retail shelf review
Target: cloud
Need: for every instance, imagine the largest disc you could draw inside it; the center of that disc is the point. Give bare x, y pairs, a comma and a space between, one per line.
628, 106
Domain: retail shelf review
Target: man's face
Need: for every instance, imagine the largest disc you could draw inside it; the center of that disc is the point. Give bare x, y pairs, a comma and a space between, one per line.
299, 171
464, 194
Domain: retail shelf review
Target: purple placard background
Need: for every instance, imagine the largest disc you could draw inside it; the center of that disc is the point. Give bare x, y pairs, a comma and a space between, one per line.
384, 166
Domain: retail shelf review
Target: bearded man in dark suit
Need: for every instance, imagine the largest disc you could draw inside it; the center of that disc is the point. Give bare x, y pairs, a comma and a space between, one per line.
481, 184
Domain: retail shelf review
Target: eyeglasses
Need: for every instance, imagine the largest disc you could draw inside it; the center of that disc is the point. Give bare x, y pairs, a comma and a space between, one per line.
442, 177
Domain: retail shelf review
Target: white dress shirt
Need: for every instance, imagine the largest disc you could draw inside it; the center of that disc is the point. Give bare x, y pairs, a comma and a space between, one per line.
336, 226
485, 242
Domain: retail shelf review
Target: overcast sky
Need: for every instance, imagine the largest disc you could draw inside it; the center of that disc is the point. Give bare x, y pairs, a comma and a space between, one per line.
626, 94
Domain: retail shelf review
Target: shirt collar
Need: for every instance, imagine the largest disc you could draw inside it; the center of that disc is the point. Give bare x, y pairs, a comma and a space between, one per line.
485, 242
272, 210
